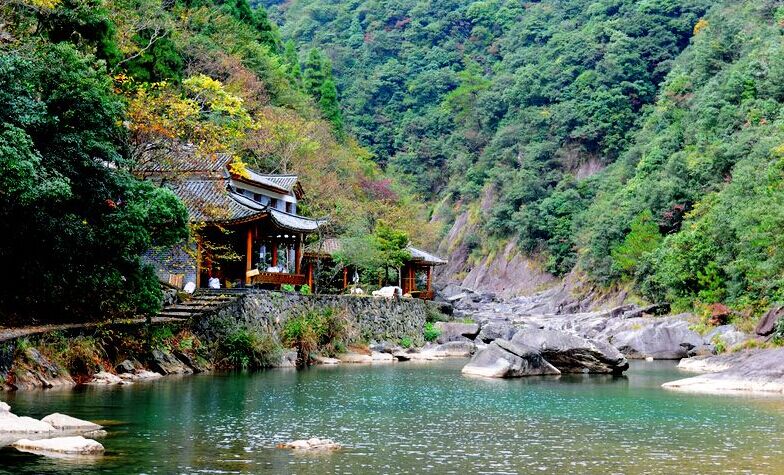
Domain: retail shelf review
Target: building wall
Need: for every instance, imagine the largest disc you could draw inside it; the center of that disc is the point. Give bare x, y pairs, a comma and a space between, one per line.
173, 265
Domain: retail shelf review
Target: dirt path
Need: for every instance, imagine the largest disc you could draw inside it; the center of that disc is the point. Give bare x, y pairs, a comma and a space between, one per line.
17, 332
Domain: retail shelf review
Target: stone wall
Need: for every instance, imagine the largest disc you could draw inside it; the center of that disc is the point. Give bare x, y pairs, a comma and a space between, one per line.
369, 318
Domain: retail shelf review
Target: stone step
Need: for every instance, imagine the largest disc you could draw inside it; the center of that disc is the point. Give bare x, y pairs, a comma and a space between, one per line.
176, 314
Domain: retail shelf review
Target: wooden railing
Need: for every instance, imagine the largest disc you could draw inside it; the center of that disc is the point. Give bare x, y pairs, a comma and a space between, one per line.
277, 278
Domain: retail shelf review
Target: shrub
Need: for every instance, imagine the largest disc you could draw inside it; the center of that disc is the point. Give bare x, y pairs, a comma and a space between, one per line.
287, 288
431, 332
406, 342
305, 290
313, 331
249, 349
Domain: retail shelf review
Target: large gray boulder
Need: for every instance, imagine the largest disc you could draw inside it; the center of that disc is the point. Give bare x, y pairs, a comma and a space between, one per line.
758, 371
499, 330
662, 339
504, 359
767, 323
454, 331
571, 353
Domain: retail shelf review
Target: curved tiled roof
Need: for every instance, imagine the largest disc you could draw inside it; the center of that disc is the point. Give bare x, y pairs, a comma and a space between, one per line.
284, 183
209, 201
426, 257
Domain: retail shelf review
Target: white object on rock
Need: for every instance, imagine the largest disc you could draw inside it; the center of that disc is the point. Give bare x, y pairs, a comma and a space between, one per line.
388, 292
4, 408
357, 291
311, 444
64, 422
77, 445
190, 288
213, 283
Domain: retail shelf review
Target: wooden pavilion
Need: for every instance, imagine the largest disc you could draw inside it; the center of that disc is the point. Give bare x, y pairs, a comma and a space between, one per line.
416, 274
248, 230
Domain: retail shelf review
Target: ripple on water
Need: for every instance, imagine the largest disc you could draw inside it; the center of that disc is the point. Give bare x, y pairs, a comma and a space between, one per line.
423, 418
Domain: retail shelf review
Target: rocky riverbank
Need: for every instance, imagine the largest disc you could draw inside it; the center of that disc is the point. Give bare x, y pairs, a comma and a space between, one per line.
757, 371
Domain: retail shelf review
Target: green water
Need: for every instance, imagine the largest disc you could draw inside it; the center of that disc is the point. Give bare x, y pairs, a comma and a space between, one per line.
414, 418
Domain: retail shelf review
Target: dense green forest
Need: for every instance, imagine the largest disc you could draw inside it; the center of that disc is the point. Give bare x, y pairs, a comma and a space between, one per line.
90, 90
635, 142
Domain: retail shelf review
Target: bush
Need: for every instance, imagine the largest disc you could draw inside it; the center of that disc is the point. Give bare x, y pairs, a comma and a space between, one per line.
431, 332
406, 342
313, 331
249, 349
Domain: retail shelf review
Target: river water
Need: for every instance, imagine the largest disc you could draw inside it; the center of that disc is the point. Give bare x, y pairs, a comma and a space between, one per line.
414, 418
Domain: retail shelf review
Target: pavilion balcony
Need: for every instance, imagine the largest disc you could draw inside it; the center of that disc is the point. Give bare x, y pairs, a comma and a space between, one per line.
275, 278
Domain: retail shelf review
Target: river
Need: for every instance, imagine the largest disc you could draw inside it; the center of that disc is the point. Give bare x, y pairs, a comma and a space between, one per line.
414, 418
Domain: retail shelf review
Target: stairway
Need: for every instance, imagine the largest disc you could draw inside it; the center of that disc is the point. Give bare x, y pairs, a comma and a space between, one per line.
201, 302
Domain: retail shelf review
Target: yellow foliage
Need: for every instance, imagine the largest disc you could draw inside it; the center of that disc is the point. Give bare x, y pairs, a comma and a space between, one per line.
43, 4
700, 25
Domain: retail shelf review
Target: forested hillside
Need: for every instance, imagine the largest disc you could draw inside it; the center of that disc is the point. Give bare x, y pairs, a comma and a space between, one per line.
91, 90
630, 141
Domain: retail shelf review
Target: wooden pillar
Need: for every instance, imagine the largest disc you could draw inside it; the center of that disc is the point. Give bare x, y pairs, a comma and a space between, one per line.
274, 254
310, 275
411, 279
298, 256
429, 277
198, 263
249, 255
345, 278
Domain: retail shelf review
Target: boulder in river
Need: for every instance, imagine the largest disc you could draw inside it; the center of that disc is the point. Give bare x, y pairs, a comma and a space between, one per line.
504, 359
12, 424
77, 445
103, 378
754, 371
64, 422
164, 362
571, 353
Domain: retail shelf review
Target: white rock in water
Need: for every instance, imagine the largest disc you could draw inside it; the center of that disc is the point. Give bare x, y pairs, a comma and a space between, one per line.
106, 379
64, 422
313, 443
141, 375
4, 408
10, 423
60, 445
379, 357
354, 358
327, 361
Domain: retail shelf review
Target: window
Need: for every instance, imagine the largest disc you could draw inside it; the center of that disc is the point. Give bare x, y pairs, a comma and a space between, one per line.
288, 207
273, 203
257, 197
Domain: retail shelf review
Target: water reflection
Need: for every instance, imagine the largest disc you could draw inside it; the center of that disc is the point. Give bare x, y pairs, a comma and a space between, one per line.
414, 418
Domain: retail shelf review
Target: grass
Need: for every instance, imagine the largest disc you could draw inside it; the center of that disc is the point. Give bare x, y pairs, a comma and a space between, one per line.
249, 349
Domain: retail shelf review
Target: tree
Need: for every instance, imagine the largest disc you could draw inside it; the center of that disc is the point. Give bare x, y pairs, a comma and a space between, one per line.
330, 108
643, 238
74, 223
316, 72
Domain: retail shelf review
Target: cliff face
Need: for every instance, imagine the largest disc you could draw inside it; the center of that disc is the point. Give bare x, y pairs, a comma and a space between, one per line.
505, 272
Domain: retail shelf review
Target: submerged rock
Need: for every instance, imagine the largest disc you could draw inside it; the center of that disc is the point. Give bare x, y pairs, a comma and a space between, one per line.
571, 353
77, 445
755, 371
313, 443
504, 359
378, 357
64, 422
326, 361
